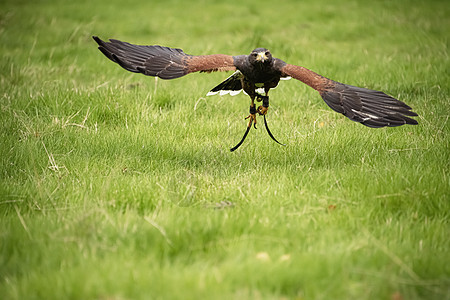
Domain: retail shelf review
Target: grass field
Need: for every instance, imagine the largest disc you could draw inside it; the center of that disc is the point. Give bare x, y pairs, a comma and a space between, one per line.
118, 186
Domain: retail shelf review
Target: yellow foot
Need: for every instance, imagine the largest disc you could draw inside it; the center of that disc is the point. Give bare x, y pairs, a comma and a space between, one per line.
262, 110
252, 118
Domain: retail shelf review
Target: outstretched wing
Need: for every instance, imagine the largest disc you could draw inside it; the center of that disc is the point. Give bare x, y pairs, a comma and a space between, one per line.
163, 62
368, 107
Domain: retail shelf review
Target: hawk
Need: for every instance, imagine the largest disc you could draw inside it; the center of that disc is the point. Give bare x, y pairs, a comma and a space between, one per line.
256, 74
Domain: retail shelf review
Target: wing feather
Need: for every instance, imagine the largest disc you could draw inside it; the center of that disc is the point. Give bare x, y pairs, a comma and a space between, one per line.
368, 107
163, 62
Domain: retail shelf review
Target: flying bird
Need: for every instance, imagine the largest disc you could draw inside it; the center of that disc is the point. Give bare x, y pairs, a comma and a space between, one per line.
256, 74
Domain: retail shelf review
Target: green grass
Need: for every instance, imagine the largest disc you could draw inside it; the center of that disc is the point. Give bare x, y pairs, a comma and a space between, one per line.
117, 186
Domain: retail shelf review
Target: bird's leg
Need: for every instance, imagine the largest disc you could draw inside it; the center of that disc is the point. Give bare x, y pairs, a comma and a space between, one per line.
262, 109
249, 88
252, 115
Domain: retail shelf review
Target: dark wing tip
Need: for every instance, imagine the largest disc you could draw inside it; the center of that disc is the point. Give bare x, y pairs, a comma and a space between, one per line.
101, 44
98, 40
368, 107
164, 62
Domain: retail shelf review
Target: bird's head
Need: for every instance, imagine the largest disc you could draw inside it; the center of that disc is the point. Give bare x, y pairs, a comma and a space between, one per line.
260, 55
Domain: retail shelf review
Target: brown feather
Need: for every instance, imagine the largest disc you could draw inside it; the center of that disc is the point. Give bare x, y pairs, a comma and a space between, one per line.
209, 63
314, 80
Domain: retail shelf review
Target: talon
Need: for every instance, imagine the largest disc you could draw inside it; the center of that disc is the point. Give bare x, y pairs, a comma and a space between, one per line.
252, 118
262, 110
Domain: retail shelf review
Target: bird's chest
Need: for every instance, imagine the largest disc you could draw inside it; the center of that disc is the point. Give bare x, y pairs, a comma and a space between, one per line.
260, 75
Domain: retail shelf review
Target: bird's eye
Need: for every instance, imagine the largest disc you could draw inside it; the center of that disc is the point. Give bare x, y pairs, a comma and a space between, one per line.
267, 53
254, 54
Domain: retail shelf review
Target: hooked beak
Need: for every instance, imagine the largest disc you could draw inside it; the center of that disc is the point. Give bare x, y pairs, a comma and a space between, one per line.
261, 57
